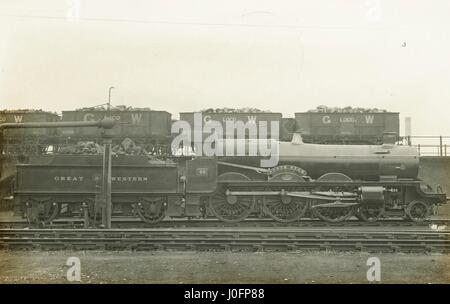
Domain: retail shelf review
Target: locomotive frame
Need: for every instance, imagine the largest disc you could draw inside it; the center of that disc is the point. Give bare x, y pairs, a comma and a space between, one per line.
331, 199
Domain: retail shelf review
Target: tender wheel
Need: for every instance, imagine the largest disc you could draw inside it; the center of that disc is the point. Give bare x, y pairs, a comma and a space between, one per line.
231, 208
151, 210
370, 213
417, 211
43, 211
283, 208
333, 214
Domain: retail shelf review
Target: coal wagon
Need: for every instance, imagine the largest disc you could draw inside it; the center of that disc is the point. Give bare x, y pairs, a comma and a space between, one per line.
347, 128
147, 128
235, 124
30, 140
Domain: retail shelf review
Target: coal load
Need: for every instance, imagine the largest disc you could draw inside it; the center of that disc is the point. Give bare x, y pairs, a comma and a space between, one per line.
326, 109
232, 110
126, 147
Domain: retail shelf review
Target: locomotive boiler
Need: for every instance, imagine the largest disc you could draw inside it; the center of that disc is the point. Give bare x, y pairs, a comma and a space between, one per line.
360, 162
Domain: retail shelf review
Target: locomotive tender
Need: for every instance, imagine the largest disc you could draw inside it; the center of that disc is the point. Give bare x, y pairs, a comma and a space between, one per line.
331, 182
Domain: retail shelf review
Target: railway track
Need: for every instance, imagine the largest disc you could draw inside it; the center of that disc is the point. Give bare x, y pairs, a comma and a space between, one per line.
123, 223
243, 238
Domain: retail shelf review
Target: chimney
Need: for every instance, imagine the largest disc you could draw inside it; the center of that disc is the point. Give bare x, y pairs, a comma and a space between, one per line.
407, 126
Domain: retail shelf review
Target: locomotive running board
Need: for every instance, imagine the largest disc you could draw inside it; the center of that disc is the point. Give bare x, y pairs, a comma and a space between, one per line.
256, 169
335, 205
295, 194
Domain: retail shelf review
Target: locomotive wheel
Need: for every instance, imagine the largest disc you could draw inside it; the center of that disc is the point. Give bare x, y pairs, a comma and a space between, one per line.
417, 211
231, 208
43, 211
370, 213
330, 213
333, 214
283, 208
151, 210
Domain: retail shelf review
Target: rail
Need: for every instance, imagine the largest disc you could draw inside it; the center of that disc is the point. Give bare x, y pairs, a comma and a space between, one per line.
253, 239
429, 145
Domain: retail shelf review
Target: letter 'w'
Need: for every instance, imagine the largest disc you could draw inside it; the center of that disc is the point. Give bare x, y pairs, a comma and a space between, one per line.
136, 118
369, 119
18, 118
251, 119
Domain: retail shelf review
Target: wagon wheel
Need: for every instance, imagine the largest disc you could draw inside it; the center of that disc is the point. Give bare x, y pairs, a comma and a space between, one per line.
42, 211
417, 211
370, 213
332, 214
151, 210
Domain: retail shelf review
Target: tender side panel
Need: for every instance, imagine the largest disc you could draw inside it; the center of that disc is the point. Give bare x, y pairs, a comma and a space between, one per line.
88, 179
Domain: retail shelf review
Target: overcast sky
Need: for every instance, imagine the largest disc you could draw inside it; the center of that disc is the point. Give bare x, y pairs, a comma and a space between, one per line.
178, 55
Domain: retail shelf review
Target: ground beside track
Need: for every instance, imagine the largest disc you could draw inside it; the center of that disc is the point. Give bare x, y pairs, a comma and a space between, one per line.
221, 267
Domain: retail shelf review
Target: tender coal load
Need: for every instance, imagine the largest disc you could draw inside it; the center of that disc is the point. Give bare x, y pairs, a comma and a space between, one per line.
126, 147
82, 147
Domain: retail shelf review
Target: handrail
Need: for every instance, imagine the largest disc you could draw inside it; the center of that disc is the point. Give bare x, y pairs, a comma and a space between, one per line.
429, 148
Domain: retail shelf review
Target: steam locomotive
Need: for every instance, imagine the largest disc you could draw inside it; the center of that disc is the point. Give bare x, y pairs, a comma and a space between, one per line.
329, 182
